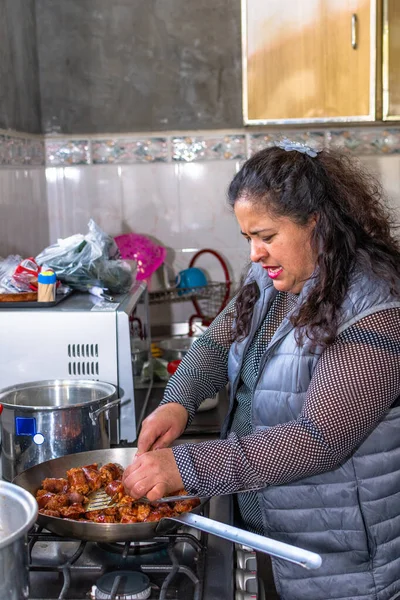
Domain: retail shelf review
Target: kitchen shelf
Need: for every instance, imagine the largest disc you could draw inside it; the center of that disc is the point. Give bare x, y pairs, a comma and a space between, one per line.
208, 300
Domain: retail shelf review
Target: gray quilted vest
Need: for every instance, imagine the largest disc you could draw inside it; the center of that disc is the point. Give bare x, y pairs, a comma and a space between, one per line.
350, 516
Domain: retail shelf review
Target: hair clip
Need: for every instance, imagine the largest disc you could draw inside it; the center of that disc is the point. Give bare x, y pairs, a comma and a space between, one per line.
288, 145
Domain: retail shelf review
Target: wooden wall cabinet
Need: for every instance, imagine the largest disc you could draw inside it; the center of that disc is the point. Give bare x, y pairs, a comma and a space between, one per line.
310, 61
391, 61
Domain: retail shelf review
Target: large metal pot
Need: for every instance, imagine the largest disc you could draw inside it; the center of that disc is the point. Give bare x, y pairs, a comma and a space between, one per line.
140, 355
42, 420
175, 348
18, 512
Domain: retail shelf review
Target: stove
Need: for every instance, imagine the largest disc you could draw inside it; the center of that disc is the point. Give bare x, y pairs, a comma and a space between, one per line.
185, 565
171, 567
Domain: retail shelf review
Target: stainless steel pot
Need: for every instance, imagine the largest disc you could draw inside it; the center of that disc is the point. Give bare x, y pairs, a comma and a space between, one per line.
140, 355
175, 348
42, 420
18, 512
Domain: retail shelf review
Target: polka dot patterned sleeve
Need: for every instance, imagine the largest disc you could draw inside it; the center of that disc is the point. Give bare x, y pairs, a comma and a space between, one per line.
355, 382
204, 369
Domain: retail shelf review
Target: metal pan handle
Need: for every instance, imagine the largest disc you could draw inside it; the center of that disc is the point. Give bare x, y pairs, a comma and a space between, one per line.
304, 558
94, 415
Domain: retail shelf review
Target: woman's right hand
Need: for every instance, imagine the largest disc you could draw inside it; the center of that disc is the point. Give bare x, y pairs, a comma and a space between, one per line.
162, 427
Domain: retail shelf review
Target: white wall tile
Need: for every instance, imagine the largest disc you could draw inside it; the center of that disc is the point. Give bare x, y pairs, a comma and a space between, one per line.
77, 194
24, 227
387, 170
38, 237
390, 177
207, 221
150, 203
57, 207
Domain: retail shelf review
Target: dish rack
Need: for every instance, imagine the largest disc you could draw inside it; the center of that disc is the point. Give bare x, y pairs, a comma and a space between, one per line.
213, 292
208, 300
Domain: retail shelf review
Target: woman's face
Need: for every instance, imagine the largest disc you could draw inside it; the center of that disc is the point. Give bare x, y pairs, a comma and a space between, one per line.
281, 246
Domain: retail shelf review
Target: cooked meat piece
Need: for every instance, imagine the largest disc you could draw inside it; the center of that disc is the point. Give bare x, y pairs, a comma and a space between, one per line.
99, 516
77, 481
51, 484
143, 511
40, 493
49, 513
127, 518
93, 477
180, 493
105, 519
94, 515
93, 466
76, 498
113, 511
57, 502
74, 511
44, 498
153, 516
91, 515
115, 489
165, 508
162, 510
110, 471
181, 506
128, 511
128, 500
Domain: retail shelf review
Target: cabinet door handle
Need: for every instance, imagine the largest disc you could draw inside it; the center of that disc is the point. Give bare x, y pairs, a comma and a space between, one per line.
354, 31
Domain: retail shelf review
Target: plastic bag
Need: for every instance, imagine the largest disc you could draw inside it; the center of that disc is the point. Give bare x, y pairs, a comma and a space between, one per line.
83, 261
7, 270
25, 276
18, 274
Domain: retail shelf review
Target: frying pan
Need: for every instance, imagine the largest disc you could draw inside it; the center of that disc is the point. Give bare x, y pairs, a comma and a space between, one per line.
32, 478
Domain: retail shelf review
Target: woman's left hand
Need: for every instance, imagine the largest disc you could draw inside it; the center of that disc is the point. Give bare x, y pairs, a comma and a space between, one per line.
152, 474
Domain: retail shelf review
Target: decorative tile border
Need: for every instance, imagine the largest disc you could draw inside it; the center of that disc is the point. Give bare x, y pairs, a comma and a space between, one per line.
314, 139
129, 150
359, 141
366, 141
67, 152
226, 147
18, 150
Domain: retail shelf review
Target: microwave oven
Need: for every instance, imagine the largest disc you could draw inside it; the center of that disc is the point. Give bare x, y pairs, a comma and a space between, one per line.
82, 337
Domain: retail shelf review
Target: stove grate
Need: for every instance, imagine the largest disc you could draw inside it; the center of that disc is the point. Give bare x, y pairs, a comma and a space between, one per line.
164, 577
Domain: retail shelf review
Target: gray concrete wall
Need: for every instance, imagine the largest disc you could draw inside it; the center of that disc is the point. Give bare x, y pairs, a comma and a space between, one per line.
19, 74
139, 65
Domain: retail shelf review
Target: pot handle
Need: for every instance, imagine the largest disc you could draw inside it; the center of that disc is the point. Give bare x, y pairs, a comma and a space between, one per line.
304, 558
94, 415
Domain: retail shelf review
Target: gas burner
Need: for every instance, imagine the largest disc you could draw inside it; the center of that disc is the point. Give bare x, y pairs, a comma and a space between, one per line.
133, 548
122, 585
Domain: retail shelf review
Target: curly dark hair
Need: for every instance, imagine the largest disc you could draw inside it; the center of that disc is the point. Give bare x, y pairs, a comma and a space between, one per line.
354, 226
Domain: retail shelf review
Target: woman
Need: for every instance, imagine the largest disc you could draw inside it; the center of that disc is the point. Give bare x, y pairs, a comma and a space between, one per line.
310, 347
